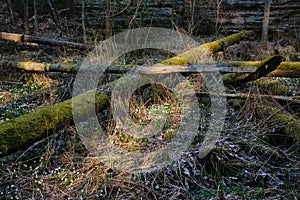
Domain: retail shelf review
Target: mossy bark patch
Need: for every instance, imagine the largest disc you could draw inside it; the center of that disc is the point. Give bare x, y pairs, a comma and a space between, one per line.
204, 51
273, 86
264, 68
273, 115
26, 129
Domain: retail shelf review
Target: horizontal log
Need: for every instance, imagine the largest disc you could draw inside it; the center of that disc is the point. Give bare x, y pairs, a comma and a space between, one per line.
28, 39
285, 69
264, 68
267, 68
195, 68
67, 68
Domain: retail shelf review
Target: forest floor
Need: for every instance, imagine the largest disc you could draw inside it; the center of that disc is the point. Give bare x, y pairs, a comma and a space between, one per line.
251, 160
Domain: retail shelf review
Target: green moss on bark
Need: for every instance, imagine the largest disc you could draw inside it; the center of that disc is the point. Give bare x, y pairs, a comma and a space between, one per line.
291, 125
26, 129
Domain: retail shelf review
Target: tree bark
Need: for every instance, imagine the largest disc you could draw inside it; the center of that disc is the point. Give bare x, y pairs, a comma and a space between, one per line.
39, 40
83, 23
55, 14
264, 68
108, 28
35, 17
26, 22
26, 129
204, 51
265, 25
290, 126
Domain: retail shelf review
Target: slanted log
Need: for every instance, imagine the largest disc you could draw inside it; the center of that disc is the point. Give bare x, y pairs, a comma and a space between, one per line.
203, 52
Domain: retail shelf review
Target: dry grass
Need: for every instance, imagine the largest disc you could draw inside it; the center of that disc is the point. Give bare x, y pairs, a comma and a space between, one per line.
244, 165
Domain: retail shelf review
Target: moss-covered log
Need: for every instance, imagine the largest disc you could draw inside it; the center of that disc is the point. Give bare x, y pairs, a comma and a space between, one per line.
287, 69
204, 51
284, 69
290, 126
26, 129
121, 69
264, 67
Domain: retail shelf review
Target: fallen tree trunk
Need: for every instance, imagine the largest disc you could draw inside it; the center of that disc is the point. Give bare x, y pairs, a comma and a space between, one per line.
26, 129
69, 68
285, 69
202, 53
288, 124
27, 39
263, 68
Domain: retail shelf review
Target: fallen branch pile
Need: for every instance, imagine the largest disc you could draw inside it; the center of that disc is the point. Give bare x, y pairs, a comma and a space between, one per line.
26, 129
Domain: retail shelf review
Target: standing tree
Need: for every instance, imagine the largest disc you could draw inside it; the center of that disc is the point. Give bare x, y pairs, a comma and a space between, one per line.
35, 17
265, 25
108, 29
26, 16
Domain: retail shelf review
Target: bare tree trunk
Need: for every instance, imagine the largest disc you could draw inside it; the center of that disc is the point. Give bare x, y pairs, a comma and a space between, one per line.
108, 29
35, 17
83, 23
10, 9
55, 14
26, 23
265, 25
